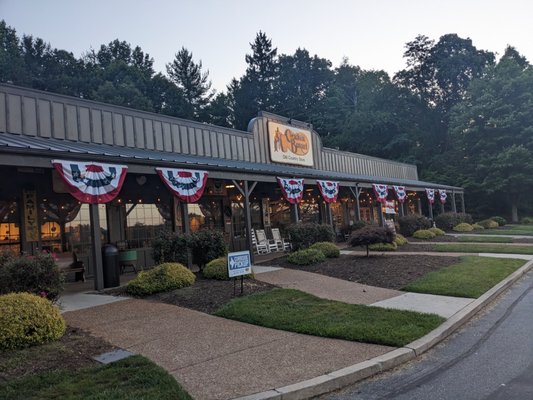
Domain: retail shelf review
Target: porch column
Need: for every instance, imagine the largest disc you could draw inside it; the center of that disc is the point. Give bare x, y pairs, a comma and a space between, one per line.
294, 213
329, 216
380, 215
463, 203
356, 194
454, 205
246, 190
419, 206
430, 206
442, 207
184, 209
96, 247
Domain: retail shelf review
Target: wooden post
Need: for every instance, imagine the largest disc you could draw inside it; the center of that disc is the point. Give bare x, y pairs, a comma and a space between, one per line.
380, 215
96, 247
356, 194
246, 191
419, 206
184, 209
294, 213
430, 206
454, 205
463, 210
442, 207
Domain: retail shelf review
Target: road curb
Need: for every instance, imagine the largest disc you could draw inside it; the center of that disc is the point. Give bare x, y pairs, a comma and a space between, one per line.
357, 372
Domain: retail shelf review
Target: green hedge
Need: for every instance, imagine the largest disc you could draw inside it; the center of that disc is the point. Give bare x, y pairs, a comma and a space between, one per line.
463, 227
303, 235
400, 240
329, 249
162, 278
446, 221
412, 223
437, 231
424, 234
383, 247
488, 224
306, 257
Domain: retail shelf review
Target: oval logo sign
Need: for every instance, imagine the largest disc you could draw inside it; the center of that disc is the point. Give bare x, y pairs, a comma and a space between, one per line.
295, 142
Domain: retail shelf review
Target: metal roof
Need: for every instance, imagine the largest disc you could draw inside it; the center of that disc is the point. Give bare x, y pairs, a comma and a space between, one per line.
53, 148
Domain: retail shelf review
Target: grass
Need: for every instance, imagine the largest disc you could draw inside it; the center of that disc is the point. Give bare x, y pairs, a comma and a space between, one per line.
132, 378
488, 239
482, 248
526, 230
471, 277
295, 311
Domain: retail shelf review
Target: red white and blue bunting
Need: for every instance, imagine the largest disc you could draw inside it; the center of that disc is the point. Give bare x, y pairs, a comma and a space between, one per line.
381, 192
292, 189
91, 182
187, 185
329, 190
430, 193
401, 194
443, 196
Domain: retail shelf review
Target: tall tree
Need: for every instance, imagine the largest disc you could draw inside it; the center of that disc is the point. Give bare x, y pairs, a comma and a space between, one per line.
11, 61
189, 78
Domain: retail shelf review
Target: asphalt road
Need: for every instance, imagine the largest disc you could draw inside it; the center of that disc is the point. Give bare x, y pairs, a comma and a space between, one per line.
490, 358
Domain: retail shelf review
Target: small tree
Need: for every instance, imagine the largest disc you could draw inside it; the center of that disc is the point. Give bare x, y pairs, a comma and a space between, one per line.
206, 246
371, 235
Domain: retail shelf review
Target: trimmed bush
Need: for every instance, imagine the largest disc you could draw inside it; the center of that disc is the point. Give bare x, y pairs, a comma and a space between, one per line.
37, 274
437, 231
358, 225
329, 249
477, 227
424, 234
446, 221
303, 235
500, 220
383, 246
170, 247
162, 278
371, 235
412, 223
217, 269
463, 227
488, 224
400, 240
306, 257
27, 320
206, 246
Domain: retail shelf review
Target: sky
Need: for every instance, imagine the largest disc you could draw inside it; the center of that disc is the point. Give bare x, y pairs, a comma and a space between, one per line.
371, 34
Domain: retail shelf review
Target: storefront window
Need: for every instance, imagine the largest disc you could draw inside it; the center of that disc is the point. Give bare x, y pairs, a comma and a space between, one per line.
9, 227
144, 221
78, 230
206, 214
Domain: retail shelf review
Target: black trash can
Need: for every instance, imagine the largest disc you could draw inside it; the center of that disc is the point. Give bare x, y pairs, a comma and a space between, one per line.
111, 266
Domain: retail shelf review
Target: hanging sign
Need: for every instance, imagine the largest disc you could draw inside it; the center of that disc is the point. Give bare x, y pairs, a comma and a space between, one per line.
91, 182
329, 190
381, 192
443, 196
187, 185
390, 207
431, 195
401, 194
290, 145
31, 219
292, 189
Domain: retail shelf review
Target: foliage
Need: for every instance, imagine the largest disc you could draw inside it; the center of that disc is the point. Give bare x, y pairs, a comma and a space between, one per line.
446, 221
463, 227
424, 234
170, 247
527, 221
217, 269
371, 235
477, 227
383, 246
329, 249
206, 246
400, 240
409, 224
295, 311
27, 320
500, 220
471, 277
304, 235
488, 224
162, 278
358, 225
306, 257
37, 274
437, 231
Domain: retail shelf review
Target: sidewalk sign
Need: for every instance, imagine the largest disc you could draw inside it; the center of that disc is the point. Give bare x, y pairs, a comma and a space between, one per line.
239, 264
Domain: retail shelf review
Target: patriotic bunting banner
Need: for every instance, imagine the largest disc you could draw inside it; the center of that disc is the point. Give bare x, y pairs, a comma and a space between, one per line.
431, 195
381, 192
187, 185
329, 190
91, 182
443, 196
401, 194
292, 189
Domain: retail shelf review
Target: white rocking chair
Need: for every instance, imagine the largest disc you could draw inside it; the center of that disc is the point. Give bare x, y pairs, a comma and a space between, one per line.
260, 248
282, 244
261, 238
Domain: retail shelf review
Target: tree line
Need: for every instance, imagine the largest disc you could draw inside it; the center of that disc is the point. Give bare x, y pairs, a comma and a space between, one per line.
463, 117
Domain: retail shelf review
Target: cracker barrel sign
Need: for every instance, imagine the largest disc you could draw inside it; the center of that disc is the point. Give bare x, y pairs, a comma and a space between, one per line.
290, 145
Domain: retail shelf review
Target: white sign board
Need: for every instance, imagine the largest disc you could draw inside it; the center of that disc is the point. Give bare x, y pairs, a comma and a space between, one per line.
290, 145
239, 263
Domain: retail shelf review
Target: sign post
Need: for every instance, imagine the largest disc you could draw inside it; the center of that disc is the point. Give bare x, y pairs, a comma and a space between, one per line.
239, 264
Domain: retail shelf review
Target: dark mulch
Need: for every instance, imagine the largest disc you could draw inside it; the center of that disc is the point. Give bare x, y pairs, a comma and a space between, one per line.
73, 351
393, 272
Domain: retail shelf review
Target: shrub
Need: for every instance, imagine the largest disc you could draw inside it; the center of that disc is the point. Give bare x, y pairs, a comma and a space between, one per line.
383, 246
206, 246
527, 220
463, 227
424, 234
27, 320
37, 274
358, 225
162, 278
477, 227
170, 247
488, 224
303, 235
500, 220
437, 231
412, 223
306, 257
329, 249
400, 240
217, 269
446, 221
371, 235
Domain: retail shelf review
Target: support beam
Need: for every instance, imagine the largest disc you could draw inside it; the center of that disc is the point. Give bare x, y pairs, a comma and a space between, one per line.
454, 204
463, 210
430, 207
184, 209
356, 194
96, 247
246, 189
442, 207
294, 213
381, 218
419, 206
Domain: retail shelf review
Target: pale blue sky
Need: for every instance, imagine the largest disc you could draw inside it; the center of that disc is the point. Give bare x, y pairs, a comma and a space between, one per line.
371, 34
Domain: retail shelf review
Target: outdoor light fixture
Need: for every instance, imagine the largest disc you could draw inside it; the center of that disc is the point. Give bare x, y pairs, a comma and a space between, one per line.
230, 186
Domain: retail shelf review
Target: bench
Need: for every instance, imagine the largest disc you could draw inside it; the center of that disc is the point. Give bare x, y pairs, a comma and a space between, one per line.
68, 265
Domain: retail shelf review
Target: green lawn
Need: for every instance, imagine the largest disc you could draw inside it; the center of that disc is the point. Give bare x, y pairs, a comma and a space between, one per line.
132, 378
487, 239
295, 311
482, 248
526, 230
471, 277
